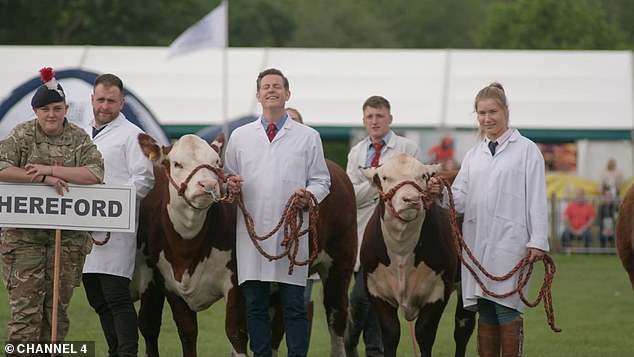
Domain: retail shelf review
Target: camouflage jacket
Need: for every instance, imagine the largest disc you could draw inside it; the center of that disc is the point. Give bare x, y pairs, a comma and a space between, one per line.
28, 144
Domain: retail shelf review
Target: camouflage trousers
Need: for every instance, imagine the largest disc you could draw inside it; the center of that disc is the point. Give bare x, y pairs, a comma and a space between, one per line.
27, 267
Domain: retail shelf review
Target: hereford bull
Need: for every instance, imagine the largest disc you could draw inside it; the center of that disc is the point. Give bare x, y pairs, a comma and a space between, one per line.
408, 258
625, 233
186, 244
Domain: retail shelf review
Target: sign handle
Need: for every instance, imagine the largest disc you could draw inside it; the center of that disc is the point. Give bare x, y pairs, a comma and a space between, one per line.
56, 268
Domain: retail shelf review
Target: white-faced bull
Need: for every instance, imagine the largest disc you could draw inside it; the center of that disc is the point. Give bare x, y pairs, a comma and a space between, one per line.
186, 244
408, 257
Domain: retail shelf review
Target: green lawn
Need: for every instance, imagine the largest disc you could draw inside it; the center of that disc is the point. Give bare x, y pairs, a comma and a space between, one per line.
594, 305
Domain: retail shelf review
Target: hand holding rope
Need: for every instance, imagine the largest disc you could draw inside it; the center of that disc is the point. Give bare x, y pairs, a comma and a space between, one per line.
292, 219
524, 268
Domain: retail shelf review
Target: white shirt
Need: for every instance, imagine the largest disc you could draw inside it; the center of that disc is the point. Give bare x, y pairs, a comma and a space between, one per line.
125, 164
367, 196
271, 173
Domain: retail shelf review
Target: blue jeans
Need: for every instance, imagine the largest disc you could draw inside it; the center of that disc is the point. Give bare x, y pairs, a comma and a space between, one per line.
567, 236
363, 320
256, 295
109, 295
492, 313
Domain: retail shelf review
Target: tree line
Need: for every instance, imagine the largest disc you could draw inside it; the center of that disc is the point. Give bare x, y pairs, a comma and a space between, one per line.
485, 24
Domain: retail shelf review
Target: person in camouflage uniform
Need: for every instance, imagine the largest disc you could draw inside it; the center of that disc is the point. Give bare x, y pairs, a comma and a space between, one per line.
51, 150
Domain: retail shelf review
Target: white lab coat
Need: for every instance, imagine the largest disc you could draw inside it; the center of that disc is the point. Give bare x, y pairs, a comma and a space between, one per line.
367, 196
271, 173
125, 164
503, 199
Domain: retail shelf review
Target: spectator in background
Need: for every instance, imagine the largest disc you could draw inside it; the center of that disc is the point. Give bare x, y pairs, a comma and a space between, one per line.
579, 216
611, 178
295, 115
608, 207
442, 152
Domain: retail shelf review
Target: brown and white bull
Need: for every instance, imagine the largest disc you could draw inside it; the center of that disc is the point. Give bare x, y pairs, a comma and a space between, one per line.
408, 258
186, 244
625, 233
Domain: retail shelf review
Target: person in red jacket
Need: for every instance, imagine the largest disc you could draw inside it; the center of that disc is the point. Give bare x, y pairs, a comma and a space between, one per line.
579, 217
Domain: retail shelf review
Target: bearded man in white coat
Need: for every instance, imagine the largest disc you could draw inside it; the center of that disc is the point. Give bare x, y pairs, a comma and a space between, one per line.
109, 267
269, 160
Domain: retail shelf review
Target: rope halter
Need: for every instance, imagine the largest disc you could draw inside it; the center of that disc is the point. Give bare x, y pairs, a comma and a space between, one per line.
425, 196
180, 189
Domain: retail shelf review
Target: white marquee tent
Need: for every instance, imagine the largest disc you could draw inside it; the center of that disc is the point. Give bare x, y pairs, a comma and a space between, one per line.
564, 91
427, 88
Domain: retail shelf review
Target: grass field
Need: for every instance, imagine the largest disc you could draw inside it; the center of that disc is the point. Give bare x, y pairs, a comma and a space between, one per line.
594, 305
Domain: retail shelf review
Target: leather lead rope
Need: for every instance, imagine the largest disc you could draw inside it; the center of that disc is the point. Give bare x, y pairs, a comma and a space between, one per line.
292, 219
524, 268
101, 242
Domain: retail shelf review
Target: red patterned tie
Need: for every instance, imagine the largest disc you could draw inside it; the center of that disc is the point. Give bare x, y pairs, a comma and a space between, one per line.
270, 131
377, 153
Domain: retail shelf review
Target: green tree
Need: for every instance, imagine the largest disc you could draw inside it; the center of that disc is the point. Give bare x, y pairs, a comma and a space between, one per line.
259, 23
550, 24
621, 11
98, 22
434, 24
339, 24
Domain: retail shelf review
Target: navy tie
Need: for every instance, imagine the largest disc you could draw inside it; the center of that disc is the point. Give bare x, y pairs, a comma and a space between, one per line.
492, 146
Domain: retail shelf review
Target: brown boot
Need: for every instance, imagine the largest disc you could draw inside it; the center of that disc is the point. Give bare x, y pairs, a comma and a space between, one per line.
488, 340
512, 337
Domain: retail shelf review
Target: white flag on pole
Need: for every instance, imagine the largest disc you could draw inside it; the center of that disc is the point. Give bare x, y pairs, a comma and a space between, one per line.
210, 32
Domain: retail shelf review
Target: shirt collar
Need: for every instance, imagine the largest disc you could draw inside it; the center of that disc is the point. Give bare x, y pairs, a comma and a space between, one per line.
279, 125
385, 139
502, 139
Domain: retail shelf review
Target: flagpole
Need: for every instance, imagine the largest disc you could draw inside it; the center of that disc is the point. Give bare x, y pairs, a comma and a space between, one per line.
225, 74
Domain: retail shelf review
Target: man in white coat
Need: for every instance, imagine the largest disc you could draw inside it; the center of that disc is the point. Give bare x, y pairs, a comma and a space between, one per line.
109, 267
501, 189
271, 159
380, 145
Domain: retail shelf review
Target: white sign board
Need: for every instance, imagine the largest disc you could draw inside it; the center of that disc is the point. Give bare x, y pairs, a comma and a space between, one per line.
104, 208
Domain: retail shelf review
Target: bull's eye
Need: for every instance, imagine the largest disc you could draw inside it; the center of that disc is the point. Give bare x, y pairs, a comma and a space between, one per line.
178, 165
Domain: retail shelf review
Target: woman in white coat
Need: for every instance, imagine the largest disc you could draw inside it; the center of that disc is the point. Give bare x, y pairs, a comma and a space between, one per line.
501, 189
271, 159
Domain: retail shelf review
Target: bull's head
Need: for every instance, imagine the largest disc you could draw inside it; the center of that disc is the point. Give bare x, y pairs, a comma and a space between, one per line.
401, 182
193, 167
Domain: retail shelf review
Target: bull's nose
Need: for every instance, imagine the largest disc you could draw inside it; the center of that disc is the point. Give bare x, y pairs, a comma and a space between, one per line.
209, 186
411, 199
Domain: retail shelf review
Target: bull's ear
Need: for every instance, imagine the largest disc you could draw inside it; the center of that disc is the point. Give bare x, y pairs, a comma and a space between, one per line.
377, 181
219, 142
151, 149
372, 174
430, 170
